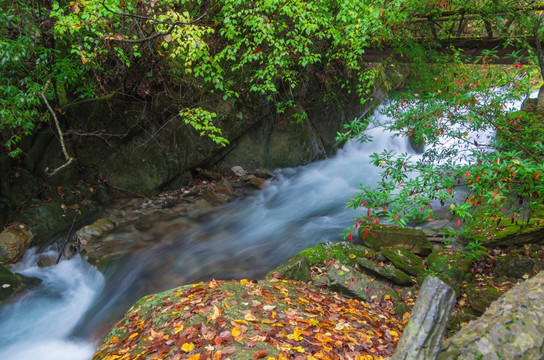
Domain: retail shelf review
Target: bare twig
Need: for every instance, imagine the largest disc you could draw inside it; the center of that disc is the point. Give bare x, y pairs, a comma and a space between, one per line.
66, 240
68, 158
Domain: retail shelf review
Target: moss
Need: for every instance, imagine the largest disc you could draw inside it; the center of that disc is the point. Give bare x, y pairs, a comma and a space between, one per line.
480, 298
404, 259
388, 272
297, 269
450, 266
507, 231
386, 236
345, 252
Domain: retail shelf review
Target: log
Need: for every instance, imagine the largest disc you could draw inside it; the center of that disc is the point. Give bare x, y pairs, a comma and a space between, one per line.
422, 337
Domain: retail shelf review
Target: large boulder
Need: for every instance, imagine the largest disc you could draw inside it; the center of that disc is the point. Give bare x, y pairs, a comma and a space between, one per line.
511, 328
251, 320
14, 240
404, 260
388, 236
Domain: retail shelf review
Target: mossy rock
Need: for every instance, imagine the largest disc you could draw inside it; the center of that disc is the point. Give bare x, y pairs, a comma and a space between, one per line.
512, 234
297, 269
460, 318
388, 272
387, 236
45, 219
352, 283
343, 251
481, 297
404, 260
11, 284
451, 267
514, 267
246, 320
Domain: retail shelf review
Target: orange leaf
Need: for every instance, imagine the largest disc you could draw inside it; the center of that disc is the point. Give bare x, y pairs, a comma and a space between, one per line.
259, 354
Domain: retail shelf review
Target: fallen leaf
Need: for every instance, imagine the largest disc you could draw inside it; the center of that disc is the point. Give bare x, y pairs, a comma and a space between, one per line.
188, 347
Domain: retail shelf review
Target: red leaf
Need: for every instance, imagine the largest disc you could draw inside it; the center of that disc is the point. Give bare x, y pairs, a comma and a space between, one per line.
458, 223
350, 237
366, 234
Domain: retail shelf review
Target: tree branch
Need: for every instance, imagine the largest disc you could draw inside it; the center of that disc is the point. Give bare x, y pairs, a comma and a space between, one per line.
68, 158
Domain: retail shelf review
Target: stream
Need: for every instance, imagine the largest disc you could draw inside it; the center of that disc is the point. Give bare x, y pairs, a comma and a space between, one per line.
76, 305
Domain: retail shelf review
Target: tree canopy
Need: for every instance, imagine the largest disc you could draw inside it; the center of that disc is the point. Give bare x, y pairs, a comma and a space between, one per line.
56, 54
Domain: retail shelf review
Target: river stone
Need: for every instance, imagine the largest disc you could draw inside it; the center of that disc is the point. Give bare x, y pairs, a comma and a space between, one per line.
263, 173
480, 297
451, 266
214, 198
387, 236
404, 260
253, 182
238, 171
388, 272
511, 328
512, 266
345, 252
87, 234
14, 241
297, 269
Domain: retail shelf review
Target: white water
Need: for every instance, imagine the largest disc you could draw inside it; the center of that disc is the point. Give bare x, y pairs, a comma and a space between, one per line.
75, 305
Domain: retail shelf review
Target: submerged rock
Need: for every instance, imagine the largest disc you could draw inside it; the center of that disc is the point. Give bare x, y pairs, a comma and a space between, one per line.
14, 241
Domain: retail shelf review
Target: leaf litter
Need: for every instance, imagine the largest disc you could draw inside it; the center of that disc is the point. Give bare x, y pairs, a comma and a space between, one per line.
267, 319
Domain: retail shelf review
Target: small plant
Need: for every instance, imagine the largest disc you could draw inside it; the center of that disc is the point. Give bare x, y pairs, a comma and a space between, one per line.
475, 250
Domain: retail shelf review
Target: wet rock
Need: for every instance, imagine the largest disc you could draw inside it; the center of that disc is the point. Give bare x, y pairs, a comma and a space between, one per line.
224, 187
297, 269
87, 234
512, 327
253, 182
214, 198
238, 171
388, 272
451, 266
11, 284
387, 236
345, 252
14, 241
481, 296
514, 267
262, 173
208, 175
45, 260
404, 260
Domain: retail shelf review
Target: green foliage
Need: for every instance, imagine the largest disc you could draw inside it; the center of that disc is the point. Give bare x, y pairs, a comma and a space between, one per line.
202, 121
482, 159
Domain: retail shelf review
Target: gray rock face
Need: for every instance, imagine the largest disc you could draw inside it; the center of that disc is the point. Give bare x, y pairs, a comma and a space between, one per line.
14, 241
424, 332
511, 328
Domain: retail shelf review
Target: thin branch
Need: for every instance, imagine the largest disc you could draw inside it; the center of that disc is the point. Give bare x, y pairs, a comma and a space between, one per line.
68, 158
142, 17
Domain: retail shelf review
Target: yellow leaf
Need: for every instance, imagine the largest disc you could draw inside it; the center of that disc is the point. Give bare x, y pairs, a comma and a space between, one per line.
243, 322
236, 331
132, 336
194, 357
352, 256
296, 335
244, 281
187, 347
394, 333
387, 297
178, 329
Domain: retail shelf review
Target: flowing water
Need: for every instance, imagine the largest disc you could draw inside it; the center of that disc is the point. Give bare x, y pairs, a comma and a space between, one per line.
76, 305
